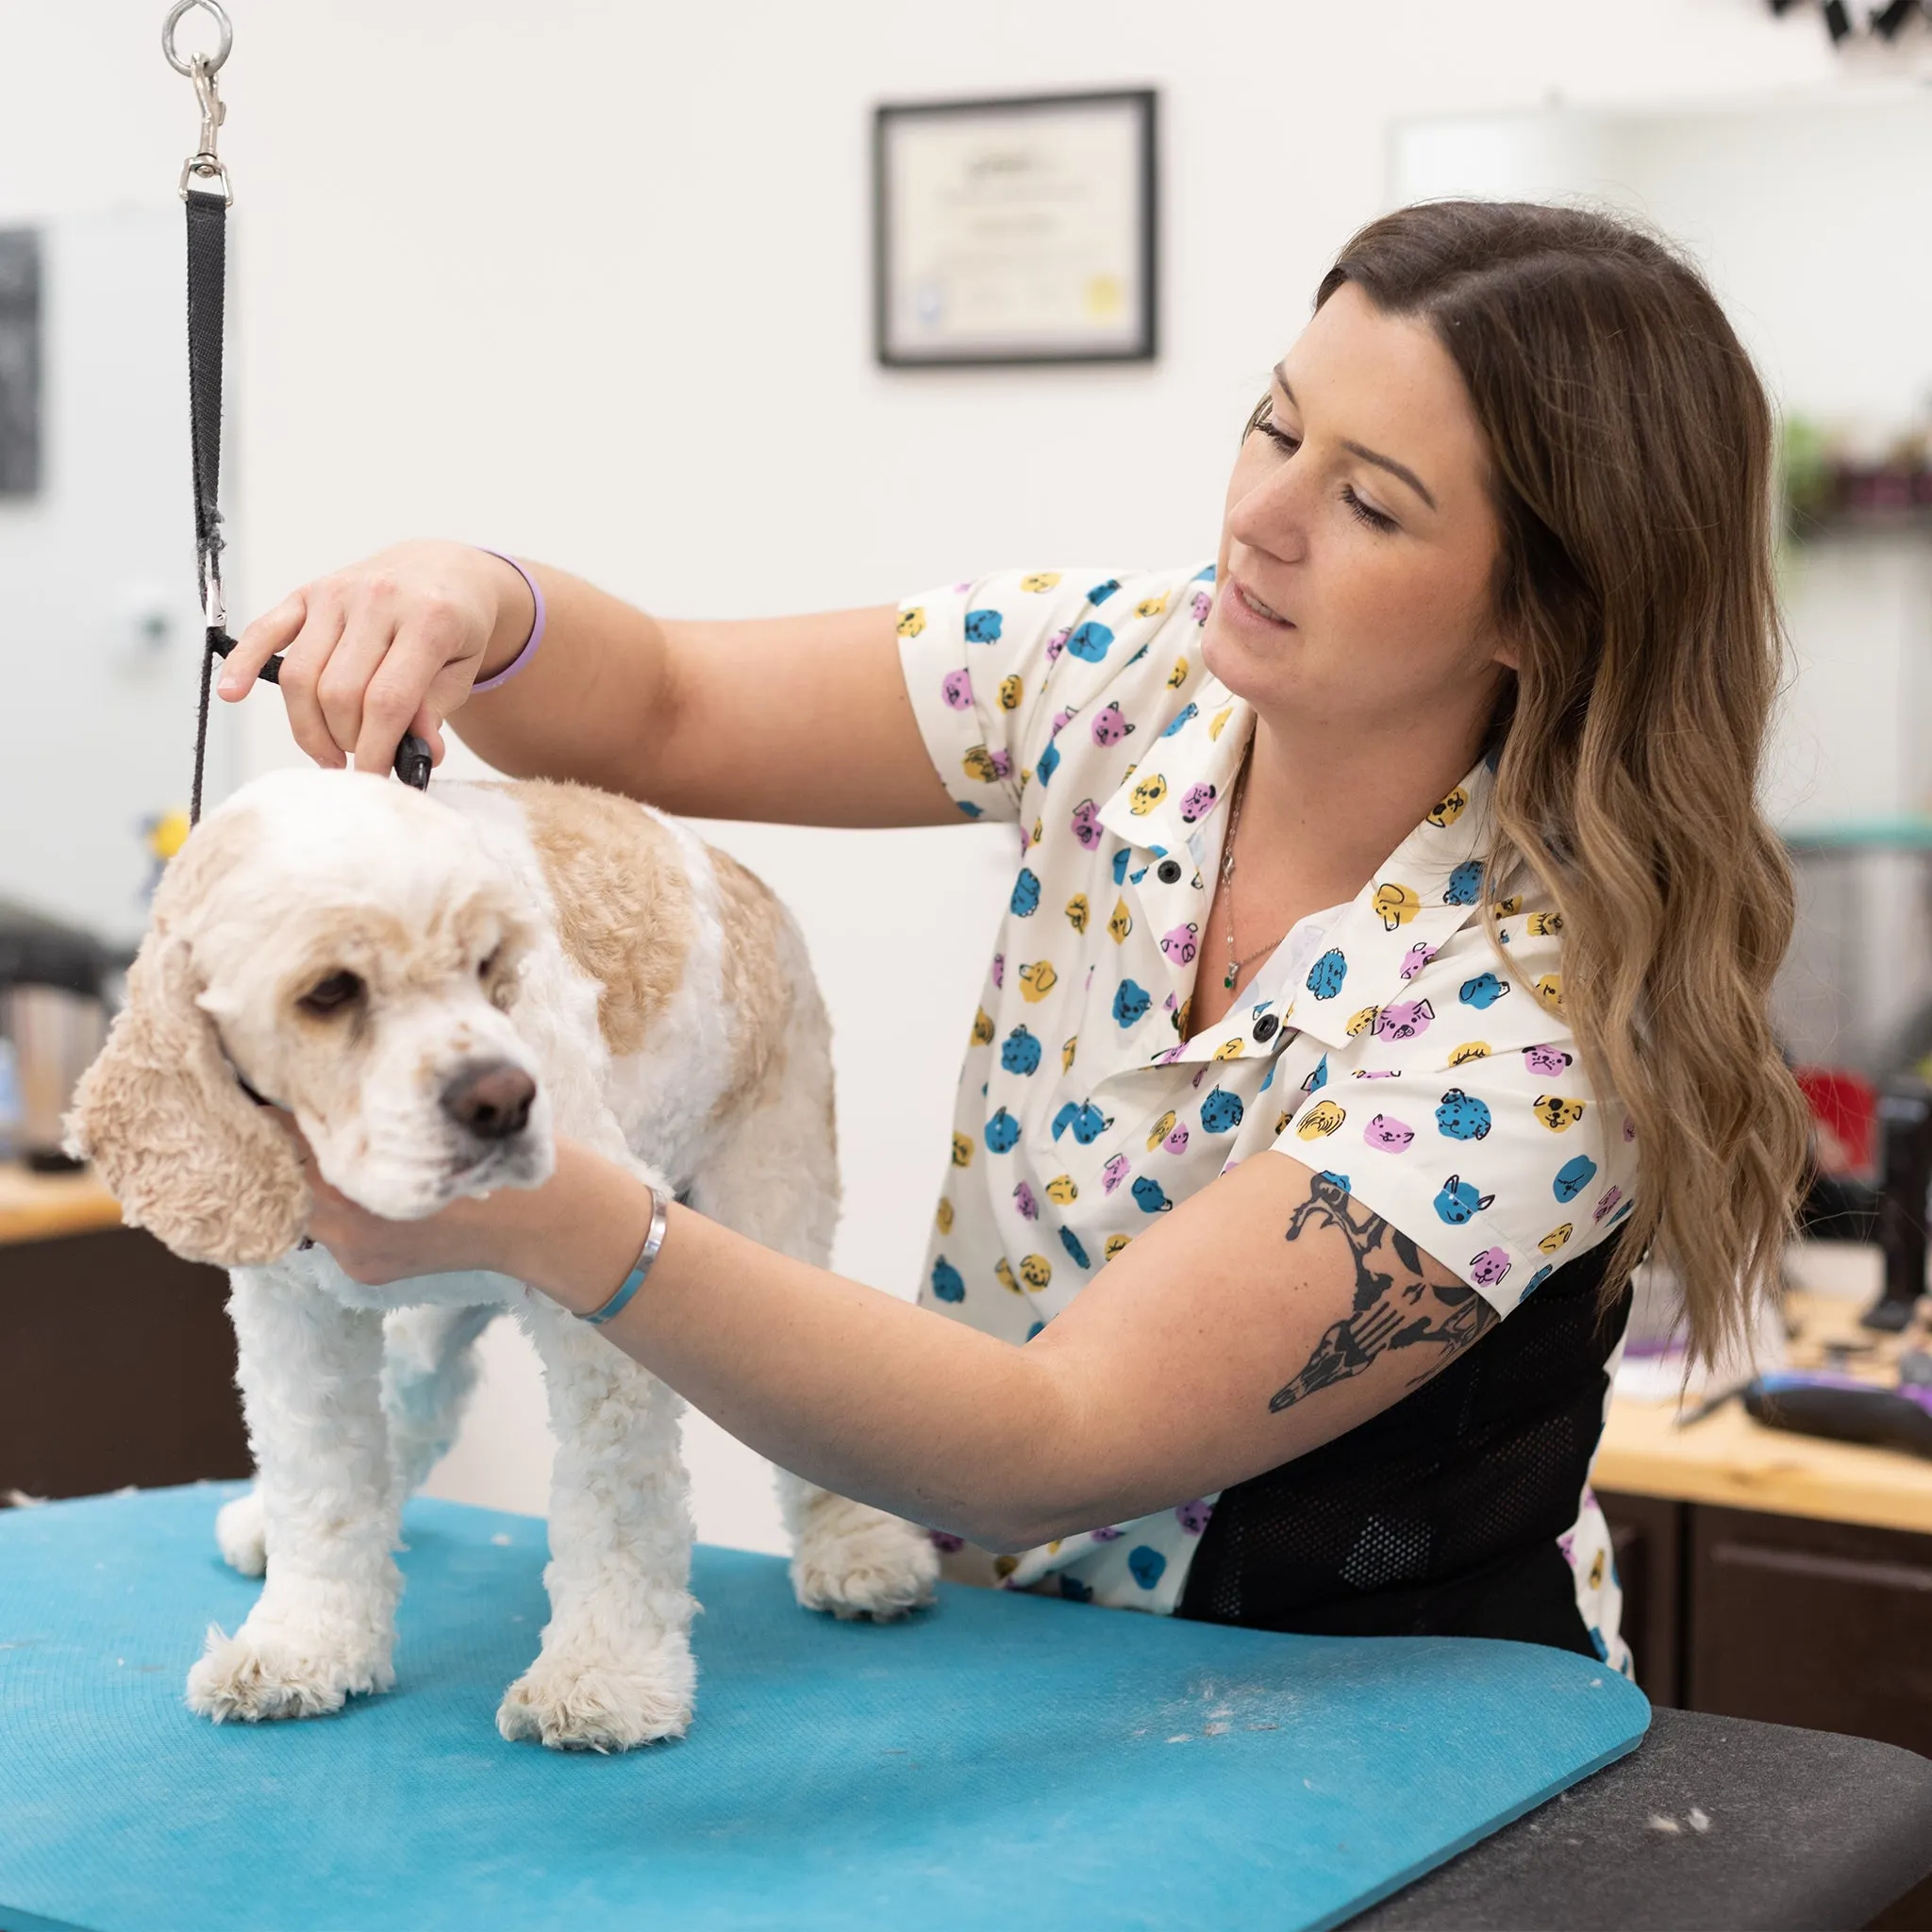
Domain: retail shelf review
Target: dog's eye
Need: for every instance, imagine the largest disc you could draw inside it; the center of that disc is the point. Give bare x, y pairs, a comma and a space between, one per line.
331, 994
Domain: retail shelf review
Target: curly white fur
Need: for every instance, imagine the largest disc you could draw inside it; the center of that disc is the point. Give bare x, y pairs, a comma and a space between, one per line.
476, 924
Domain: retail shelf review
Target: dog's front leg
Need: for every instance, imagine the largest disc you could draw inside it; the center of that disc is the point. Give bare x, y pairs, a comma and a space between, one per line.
324, 1627
615, 1670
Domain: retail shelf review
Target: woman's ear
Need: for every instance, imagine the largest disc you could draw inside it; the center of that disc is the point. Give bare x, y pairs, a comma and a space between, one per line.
186, 1154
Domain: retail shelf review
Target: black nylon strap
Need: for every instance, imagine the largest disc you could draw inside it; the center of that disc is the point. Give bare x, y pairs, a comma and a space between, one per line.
206, 292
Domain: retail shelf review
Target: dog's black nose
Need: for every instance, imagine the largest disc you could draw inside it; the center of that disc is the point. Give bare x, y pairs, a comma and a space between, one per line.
490, 1098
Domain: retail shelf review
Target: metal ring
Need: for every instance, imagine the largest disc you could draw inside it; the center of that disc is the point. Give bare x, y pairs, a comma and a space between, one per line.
221, 53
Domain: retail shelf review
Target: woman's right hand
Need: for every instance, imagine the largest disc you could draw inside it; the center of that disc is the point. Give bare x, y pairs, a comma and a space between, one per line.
389, 646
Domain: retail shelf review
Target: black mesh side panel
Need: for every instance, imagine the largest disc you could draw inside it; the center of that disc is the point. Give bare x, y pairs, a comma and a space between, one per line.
1439, 1515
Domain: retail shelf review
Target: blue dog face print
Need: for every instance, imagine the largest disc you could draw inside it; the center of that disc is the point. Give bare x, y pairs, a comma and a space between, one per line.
1020, 1052
1090, 642
1001, 1133
1465, 884
1085, 1121
1070, 1241
1461, 1201
984, 626
1221, 1113
1190, 710
947, 1284
1484, 991
1150, 1196
1048, 764
1130, 1003
1574, 1176
1025, 900
1462, 1116
1327, 975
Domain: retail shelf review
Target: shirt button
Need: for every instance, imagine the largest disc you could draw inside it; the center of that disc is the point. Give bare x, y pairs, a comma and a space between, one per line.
1267, 1026
1168, 871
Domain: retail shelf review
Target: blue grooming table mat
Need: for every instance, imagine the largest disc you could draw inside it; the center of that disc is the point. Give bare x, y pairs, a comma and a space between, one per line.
1003, 1758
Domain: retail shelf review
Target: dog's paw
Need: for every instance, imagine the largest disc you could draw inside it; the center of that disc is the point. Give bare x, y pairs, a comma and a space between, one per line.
242, 1533
602, 1703
254, 1675
856, 1561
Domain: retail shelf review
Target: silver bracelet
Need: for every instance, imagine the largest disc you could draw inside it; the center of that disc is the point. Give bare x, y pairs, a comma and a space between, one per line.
640, 1268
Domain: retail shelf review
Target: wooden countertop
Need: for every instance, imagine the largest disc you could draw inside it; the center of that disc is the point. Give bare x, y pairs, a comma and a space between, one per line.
37, 1206
1729, 1459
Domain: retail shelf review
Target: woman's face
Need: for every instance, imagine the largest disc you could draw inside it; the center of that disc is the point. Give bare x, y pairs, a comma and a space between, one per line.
1359, 541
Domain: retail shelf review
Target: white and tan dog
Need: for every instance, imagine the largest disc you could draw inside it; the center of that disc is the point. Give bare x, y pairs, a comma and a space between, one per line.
434, 984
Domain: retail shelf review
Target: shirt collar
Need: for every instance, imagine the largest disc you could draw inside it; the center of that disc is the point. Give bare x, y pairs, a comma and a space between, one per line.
1166, 801
1429, 888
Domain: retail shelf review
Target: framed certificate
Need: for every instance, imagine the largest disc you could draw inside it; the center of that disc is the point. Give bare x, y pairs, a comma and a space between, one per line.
1015, 230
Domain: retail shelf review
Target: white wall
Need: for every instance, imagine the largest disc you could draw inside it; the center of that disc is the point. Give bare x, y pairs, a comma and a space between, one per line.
592, 280
1809, 218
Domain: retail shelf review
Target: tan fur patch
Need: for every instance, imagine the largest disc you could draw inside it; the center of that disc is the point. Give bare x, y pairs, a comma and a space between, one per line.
755, 986
623, 904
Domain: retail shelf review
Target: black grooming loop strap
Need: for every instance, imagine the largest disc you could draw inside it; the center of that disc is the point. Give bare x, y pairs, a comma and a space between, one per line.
207, 213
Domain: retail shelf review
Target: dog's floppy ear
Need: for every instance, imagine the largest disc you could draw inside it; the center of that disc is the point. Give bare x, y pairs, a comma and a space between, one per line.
186, 1154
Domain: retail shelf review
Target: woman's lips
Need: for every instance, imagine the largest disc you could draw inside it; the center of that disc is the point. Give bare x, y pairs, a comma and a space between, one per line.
1252, 609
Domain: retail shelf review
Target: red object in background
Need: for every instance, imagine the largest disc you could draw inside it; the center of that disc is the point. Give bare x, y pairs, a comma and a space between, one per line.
1846, 1108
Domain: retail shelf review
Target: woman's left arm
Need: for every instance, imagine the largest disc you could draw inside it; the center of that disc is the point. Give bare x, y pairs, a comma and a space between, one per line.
1258, 1319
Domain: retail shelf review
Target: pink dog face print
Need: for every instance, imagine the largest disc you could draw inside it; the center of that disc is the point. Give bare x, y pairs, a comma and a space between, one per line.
1197, 801
1546, 1060
1177, 1142
1086, 824
1404, 1019
1057, 642
1113, 1174
1488, 1267
1391, 1135
1109, 727
1199, 605
1181, 942
956, 688
1416, 959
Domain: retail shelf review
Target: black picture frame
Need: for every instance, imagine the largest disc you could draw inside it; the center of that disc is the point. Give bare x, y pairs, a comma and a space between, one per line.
21, 405
1144, 345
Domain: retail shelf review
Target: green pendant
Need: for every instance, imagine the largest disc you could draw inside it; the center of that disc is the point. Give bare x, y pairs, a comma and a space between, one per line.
1229, 980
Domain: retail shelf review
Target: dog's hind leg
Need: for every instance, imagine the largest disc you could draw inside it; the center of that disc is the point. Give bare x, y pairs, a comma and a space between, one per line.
323, 1626
615, 1669
428, 1374
775, 1178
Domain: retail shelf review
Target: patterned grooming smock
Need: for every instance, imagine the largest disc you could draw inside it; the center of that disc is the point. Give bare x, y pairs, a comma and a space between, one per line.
1384, 1044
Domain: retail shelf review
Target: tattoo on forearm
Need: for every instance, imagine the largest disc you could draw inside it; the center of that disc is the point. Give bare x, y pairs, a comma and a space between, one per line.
1396, 1303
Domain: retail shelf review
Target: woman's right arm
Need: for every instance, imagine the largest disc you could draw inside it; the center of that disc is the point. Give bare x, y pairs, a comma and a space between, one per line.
799, 720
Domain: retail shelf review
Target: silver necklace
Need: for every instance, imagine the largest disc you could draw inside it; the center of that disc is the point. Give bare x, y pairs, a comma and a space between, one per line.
1234, 822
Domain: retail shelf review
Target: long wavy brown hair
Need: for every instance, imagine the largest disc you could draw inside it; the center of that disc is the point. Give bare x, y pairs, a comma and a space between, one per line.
1631, 470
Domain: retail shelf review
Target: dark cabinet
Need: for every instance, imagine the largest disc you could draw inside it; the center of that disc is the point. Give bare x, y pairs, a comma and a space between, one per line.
1825, 1625
117, 1366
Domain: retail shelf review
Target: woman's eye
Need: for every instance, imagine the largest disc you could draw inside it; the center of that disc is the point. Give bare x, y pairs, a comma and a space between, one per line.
1281, 438
331, 994
486, 966
1374, 518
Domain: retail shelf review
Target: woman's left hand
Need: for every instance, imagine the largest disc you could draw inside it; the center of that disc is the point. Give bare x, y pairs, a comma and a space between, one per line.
469, 1233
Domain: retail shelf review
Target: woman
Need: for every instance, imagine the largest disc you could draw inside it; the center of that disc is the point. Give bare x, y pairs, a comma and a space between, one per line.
1413, 841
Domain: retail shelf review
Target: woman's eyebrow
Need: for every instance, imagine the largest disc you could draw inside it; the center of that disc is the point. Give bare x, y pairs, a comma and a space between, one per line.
1368, 456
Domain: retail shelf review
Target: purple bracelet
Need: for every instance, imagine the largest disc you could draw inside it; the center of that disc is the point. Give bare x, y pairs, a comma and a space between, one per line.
535, 636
